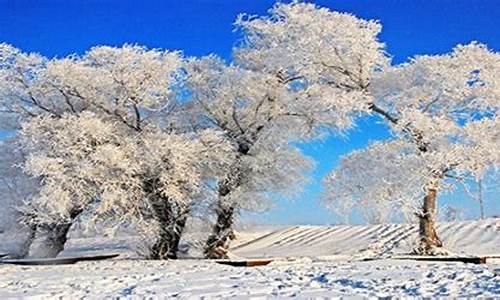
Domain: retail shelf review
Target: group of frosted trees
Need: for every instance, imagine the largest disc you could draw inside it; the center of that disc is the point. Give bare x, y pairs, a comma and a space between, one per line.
130, 136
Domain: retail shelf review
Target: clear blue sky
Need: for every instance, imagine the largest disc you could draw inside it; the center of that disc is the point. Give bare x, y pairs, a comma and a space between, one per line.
200, 27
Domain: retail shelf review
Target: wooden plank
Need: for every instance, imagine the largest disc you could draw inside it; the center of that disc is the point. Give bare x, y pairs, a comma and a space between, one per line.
245, 263
256, 263
57, 260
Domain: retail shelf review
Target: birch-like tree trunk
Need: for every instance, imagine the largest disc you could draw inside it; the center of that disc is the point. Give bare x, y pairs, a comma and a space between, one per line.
480, 198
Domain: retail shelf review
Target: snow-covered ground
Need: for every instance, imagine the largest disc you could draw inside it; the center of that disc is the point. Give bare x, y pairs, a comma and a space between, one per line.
310, 261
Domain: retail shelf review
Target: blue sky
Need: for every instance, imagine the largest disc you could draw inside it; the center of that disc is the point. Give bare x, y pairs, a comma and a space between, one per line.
200, 27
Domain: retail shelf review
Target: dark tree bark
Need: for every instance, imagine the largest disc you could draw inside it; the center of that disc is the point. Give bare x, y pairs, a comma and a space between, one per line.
217, 245
428, 237
171, 219
179, 225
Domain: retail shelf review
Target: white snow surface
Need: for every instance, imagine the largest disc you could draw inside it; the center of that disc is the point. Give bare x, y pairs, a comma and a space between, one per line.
310, 261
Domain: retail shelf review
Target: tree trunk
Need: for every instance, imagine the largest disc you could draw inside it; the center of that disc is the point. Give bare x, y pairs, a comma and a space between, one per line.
27, 233
177, 231
429, 239
23, 247
217, 245
54, 236
167, 243
480, 198
171, 218
54, 239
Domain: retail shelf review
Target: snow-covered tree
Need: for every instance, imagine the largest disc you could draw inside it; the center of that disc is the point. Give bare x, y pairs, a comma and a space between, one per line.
331, 56
248, 108
381, 182
282, 86
480, 188
130, 84
150, 179
447, 107
427, 101
100, 133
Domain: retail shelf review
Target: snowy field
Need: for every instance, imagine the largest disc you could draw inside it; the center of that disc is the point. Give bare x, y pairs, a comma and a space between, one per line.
310, 261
